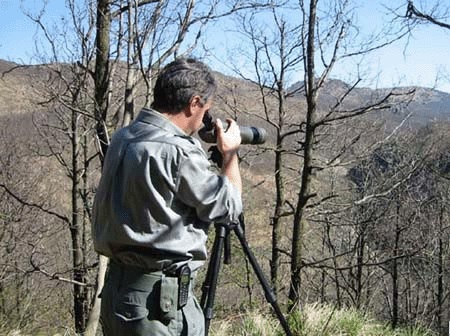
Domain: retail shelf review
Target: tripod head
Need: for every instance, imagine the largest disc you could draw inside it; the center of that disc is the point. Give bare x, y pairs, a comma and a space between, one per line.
225, 230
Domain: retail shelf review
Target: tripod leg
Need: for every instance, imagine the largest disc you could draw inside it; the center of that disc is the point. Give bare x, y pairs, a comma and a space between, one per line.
270, 296
212, 275
213, 260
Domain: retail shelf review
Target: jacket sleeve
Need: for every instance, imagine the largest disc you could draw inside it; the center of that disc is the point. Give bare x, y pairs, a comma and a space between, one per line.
213, 196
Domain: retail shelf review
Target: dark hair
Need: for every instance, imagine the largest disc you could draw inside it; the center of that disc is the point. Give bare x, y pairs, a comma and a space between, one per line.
179, 81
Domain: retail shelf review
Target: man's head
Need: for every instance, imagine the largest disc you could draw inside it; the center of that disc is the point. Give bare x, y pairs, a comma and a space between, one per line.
180, 82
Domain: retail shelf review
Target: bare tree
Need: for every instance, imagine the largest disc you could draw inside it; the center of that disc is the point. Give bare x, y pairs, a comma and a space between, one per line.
70, 108
66, 138
328, 39
275, 54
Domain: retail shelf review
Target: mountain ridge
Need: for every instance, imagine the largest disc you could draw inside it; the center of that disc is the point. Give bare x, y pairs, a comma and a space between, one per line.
428, 105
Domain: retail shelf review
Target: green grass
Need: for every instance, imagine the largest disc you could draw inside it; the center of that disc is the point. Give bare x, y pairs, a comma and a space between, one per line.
313, 320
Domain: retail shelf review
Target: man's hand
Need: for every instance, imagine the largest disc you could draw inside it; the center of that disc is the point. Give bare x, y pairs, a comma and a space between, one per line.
228, 142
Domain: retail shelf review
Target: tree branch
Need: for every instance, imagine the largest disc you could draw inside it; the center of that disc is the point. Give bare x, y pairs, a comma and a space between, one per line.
412, 12
34, 205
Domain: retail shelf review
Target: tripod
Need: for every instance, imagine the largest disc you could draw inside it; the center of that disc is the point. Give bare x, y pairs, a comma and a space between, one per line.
210, 284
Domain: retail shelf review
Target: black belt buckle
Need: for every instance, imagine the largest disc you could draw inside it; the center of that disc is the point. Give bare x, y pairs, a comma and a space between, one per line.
184, 279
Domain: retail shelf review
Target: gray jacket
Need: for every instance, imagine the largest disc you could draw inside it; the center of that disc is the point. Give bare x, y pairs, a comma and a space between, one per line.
157, 195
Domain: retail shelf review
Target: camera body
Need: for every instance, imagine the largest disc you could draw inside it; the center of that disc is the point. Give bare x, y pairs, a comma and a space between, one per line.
250, 135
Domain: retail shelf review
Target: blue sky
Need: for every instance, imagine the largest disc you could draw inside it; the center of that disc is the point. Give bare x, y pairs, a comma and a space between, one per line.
417, 62
18, 31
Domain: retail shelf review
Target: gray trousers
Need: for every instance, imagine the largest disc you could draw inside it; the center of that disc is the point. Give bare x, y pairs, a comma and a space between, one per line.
138, 304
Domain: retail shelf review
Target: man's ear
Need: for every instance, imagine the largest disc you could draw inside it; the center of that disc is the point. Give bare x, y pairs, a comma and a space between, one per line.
194, 104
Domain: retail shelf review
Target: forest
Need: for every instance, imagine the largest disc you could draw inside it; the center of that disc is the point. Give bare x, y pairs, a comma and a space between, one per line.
346, 203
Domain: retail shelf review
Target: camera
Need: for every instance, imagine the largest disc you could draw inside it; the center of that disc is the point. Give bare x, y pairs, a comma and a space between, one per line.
250, 135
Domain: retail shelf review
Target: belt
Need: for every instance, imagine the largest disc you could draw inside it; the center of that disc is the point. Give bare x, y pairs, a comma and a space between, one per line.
134, 277
140, 278
141, 270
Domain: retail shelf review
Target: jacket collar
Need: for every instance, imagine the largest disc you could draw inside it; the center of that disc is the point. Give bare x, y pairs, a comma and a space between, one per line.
150, 116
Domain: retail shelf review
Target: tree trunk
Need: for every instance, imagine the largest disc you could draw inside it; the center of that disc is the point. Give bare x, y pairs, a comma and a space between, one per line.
337, 285
359, 266
102, 84
305, 189
131, 70
276, 226
102, 66
440, 283
395, 282
94, 315
79, 294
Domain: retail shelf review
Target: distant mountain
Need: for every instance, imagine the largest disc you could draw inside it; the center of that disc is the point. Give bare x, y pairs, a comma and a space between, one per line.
427, 105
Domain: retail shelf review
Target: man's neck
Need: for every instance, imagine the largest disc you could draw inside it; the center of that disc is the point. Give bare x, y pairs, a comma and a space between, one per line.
180, 120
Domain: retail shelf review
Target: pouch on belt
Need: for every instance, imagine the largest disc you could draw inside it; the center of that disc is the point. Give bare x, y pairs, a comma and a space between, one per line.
169, 297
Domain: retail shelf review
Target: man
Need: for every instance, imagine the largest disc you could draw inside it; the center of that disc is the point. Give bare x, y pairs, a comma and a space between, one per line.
153, 205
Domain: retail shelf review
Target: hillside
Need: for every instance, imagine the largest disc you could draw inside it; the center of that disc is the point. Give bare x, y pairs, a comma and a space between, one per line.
17, 94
